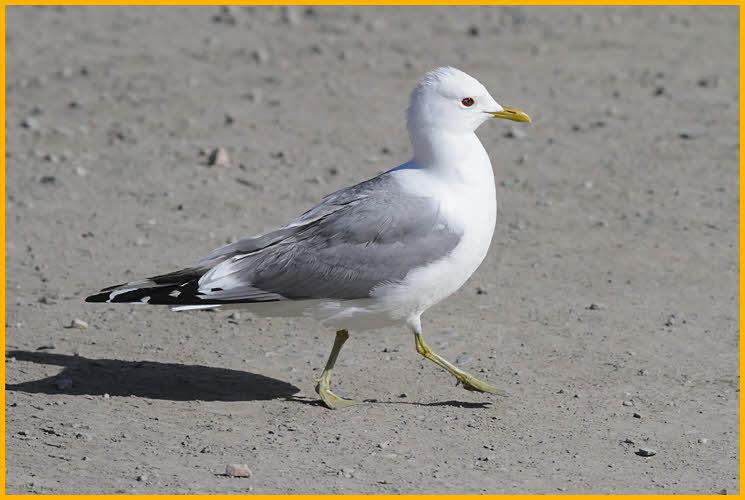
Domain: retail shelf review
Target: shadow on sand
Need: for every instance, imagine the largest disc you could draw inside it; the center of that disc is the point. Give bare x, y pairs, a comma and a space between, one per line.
149, 379
451, 403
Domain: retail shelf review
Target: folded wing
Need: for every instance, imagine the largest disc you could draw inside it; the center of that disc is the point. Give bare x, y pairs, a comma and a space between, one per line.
354, 240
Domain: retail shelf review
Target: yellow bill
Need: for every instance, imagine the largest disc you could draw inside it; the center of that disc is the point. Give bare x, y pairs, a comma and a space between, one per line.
511, 114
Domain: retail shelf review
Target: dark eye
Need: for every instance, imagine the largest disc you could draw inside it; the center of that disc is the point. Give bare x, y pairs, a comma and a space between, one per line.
467, 102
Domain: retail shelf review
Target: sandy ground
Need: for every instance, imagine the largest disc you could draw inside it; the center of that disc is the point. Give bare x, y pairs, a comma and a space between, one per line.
608, 304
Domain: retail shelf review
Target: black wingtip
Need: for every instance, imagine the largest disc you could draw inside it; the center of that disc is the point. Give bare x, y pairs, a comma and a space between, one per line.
99, 297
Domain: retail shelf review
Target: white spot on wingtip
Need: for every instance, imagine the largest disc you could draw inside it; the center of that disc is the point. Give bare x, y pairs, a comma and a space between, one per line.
119, 292
175, 293
145, 299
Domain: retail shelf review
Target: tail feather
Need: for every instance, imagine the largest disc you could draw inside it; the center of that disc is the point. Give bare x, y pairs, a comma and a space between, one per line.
180, 289
184, 293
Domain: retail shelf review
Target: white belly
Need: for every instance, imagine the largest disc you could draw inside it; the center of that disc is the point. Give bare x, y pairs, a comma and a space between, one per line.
475, 211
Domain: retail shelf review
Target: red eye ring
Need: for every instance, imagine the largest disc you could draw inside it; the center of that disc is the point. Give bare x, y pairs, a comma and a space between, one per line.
467, 102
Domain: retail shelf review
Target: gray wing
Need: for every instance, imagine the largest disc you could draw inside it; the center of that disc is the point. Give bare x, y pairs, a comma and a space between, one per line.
355, 239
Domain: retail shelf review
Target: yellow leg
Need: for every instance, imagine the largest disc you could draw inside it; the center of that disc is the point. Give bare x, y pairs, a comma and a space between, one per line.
469, 382
322, 384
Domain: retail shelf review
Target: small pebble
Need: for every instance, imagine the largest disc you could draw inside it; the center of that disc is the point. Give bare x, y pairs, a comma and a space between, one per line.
237, 470
463, 359
708, 82
79, 324
403, 395
219, 158
646, 452
253, 95
637, 415
291, 15
260, 56
703, 440
595, 306
514, 133
346, 472
142, 477
688, 135
30, 123
206, 449
628, 403
226, 16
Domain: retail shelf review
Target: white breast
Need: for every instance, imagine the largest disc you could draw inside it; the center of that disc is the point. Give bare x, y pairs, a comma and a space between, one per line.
469, 204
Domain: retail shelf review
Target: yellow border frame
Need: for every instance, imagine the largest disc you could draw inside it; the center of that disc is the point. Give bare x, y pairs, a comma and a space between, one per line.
331, 2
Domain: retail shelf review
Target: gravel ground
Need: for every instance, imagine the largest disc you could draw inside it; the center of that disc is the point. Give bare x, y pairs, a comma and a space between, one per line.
608, 304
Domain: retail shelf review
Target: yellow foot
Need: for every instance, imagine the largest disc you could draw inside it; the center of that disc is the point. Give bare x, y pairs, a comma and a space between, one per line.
330, 399
470, 383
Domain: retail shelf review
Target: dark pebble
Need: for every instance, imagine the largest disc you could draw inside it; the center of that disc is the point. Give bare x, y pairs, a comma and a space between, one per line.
688, 135
708, 82
646, 452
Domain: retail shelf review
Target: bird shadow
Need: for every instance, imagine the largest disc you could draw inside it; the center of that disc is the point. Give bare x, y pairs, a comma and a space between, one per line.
451, 403
148, 379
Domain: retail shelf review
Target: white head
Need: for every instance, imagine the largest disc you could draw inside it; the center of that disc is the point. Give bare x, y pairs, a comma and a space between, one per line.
451, 100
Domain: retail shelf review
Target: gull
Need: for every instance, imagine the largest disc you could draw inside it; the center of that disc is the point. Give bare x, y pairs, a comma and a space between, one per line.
372, 255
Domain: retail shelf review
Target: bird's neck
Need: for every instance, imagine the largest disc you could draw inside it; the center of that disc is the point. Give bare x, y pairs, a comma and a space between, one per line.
457, 156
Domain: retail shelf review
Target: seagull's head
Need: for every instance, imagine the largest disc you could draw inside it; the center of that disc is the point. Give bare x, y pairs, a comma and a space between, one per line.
452, 100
